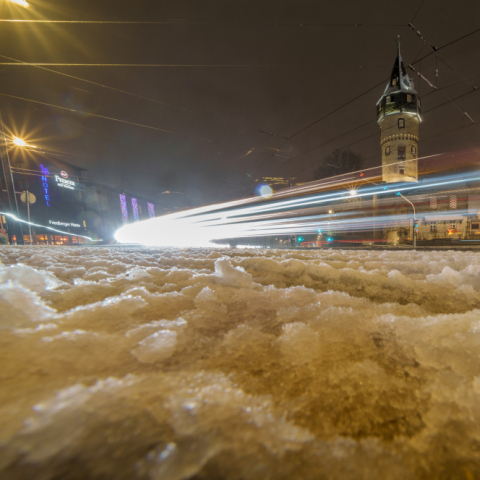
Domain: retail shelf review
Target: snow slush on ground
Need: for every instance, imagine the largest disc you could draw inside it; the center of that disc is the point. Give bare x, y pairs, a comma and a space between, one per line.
151, 363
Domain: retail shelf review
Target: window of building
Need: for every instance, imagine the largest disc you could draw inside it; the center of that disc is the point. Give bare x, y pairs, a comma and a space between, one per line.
394, 81
414, 150
401, 153
401, 170
387, 150
475, 226
390, 99
409, 98
401, 123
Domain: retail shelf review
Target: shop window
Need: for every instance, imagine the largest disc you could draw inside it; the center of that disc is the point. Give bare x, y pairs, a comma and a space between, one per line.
401, 123
387, 150
401, 153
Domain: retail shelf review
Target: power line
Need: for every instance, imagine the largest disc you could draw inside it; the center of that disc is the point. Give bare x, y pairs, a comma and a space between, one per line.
370, 89
418, 10
358, 141
196, 22
120, 120
98, 84
438, 26
179, 65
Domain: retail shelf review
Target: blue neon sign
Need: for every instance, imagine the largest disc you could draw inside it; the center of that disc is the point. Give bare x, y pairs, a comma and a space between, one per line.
46, 189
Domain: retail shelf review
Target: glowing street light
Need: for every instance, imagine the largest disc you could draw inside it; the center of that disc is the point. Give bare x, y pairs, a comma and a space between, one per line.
353, 192
19, 142
22, 3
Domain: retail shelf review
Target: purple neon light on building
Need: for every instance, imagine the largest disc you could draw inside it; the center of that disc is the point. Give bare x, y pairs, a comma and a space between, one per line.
123, 207
135, 209
151, 210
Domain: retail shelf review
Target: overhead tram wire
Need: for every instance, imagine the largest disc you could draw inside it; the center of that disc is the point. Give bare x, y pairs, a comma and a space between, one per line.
418, 10
197, 22
179, 65
124, 92
354, 143
99, 84
368, 91
436, 29
120, 120
379, 84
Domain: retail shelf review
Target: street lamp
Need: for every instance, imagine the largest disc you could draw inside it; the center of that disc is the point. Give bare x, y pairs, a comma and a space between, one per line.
19, 142
22, 3
414, 219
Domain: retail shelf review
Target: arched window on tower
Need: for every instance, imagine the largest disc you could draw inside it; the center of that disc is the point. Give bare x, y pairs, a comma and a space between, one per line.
387, 150
394, 82
401, 153
401, 123
409, 98
414, 150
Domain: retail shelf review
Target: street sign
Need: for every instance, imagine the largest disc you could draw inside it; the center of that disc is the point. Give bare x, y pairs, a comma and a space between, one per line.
31, 197
64, 174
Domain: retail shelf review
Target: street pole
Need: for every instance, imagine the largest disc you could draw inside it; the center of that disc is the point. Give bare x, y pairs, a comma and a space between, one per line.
8, 184
28, 209
414, 220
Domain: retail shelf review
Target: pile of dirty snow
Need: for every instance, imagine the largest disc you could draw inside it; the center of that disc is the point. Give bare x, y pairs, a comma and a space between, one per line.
149, 363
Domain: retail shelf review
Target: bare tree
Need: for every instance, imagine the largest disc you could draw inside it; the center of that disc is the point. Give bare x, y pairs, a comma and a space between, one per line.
338, 163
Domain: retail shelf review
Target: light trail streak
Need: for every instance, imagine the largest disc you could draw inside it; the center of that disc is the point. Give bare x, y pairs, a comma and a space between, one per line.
257, 217
17, 219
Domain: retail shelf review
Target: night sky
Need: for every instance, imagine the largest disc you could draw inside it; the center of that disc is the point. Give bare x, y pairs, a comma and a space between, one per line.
299, 61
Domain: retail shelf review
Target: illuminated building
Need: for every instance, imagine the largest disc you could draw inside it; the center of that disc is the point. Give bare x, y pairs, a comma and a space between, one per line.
60, 200
68, 199
398, 115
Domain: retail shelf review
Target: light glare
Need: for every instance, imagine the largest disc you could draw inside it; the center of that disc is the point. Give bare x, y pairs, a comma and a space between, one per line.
19, 142
22, 3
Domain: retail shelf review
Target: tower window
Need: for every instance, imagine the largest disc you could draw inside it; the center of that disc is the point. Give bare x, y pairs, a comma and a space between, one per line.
401, 170
409, 98
394, 81
401, 123
401, 153
387, 150
414, 150
390, 99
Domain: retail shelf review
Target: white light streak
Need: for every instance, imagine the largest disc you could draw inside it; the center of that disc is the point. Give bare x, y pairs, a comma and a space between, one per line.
255, 217
14, 217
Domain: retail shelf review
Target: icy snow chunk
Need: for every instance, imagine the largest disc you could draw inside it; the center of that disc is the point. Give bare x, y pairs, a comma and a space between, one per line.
234, 277
28, 277
299, 343
156, 347
19, 306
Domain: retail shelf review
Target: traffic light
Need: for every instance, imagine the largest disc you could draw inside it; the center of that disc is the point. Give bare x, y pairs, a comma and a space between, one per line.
398, 193
300, 239
329, 239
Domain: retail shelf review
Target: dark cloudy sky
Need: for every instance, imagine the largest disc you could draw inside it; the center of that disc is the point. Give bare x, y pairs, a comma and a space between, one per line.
294, 73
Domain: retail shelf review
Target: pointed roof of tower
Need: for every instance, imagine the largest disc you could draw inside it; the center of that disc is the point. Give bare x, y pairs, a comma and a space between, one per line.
403, 82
